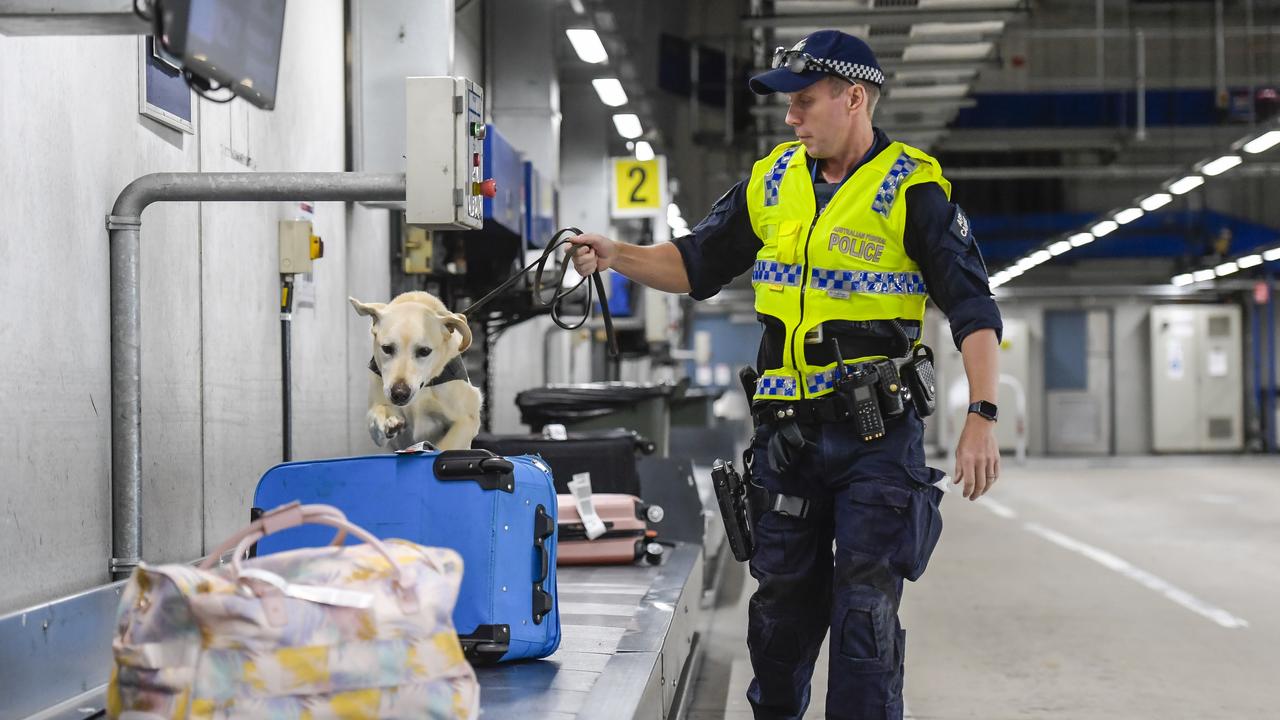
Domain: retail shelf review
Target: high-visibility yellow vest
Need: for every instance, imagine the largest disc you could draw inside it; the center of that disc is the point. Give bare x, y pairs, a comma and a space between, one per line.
848, 263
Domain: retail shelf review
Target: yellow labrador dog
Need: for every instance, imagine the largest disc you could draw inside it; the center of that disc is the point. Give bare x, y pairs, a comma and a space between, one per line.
418, 387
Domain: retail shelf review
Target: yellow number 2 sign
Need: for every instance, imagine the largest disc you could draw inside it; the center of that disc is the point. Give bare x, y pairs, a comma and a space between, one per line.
639, 187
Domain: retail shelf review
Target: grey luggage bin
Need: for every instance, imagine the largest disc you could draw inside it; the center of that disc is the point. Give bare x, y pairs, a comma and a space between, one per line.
696, 407
643, 407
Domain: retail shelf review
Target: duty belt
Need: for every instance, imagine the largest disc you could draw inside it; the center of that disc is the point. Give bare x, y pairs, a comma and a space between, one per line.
830, 408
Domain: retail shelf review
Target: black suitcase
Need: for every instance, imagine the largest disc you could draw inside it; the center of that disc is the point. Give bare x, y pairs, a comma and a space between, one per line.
611, 456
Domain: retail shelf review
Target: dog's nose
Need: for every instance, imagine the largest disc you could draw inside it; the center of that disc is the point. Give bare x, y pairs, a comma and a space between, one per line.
400, 393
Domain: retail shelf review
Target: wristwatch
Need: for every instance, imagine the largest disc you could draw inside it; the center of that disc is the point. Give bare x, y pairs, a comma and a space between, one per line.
984, 409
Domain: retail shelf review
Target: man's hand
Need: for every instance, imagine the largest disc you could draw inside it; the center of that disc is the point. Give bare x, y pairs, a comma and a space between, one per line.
977, 457
597, 253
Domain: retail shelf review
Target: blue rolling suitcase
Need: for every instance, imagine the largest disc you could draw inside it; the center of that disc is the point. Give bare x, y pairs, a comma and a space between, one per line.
498, 513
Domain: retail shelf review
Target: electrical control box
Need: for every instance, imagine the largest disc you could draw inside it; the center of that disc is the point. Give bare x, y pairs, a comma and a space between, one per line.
298, 247
445, 130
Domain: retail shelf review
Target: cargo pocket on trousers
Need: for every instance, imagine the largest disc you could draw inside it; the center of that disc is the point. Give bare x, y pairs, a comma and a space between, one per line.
924, 528
864, 633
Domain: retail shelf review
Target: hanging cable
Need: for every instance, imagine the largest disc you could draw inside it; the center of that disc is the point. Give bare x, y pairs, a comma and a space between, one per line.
558, 240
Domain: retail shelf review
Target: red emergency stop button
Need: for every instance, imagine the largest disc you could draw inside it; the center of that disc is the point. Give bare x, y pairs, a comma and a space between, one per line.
488, 188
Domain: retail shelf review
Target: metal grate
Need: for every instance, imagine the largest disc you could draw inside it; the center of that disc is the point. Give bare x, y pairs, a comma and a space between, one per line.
1221, 428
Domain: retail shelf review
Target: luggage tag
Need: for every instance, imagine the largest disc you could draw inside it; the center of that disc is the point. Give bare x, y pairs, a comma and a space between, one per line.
419, 447
580, 487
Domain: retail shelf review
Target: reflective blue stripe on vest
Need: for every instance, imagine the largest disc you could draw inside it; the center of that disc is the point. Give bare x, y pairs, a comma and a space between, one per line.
773, 180
902, 167
776, 273
882, 283
772, 386
818, 382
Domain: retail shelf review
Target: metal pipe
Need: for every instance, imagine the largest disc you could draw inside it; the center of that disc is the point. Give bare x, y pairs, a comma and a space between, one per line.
124, 226
286, 364
1140, 63
1099, 50
1271, 363
1259, 404
1219, 57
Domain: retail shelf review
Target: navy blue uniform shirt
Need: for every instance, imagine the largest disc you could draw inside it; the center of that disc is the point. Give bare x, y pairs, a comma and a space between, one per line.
938, 237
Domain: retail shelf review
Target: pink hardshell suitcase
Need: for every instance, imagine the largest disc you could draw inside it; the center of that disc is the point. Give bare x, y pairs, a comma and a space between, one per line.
626, 538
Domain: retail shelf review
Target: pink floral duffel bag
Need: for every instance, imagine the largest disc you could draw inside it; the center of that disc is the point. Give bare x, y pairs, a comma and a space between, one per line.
361, 631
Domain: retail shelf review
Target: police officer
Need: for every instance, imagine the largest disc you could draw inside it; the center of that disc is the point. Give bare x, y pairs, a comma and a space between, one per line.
844, 231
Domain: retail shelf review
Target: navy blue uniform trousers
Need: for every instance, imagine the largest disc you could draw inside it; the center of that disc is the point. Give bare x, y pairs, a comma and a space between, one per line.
875, 500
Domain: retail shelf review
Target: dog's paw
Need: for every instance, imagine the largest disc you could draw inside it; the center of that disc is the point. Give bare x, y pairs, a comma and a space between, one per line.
393, 426
383, 427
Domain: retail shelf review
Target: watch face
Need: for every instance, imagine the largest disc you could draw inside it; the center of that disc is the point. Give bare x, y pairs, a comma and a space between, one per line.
986, 409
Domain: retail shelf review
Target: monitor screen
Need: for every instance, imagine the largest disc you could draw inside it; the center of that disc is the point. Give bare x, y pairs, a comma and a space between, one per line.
235, 42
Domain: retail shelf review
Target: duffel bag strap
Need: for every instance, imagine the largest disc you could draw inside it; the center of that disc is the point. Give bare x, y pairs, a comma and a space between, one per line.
294, 514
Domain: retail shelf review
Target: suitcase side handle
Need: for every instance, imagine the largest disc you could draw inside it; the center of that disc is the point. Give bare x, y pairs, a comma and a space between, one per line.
543, 527
482, 467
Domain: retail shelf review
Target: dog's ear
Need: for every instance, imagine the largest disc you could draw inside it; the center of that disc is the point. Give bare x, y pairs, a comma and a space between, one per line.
373, 310
458, 323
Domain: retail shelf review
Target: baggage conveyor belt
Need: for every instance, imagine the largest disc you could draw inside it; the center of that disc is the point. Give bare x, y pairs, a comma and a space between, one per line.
629, 649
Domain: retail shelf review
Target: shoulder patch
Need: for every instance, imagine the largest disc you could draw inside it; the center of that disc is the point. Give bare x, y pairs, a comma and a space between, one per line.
960, 226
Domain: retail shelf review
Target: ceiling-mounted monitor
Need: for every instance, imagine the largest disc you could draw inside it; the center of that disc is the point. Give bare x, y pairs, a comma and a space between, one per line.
235, 43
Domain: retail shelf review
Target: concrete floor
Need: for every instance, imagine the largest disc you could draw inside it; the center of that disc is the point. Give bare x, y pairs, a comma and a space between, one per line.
1112, 588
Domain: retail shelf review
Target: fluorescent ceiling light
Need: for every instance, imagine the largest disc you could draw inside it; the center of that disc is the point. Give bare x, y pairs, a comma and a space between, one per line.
577, 7
644, 151
937, 52
610, 91
1025, 264
1225, 268
918, 92
935, 75
1181, 280
587, 44
1041, 256
1080, 239
1221, 165
1249, 261
1128, 215
1202, 275
969, 4
952, 29
1272, 254
1014, 271
1103, 228
1154, 202
628, 125
1263, 142
1060, 247
1186, 184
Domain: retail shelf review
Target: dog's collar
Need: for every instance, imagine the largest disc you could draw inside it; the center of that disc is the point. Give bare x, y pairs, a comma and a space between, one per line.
453, 370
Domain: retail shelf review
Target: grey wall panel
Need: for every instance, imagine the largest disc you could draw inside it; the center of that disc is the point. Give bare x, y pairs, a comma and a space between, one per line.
368, 280
210, 336
71, 141
241, 281
1132, 368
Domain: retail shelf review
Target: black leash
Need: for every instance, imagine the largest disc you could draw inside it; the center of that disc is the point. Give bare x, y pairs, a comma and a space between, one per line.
560, 238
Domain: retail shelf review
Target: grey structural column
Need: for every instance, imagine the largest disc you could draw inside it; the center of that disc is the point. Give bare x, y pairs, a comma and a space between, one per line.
124, 226
524, 92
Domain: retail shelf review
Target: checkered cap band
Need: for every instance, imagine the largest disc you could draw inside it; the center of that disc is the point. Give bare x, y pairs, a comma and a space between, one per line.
864, 282
775, 386
847, 70
773, 181
776, 273
888, 192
